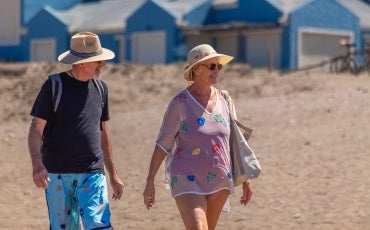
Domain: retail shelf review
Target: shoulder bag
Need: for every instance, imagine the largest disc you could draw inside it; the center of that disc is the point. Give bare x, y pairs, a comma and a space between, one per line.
243, 159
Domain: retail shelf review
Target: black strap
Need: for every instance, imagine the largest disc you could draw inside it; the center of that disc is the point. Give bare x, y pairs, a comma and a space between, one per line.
56, 93
56, 90
100, 87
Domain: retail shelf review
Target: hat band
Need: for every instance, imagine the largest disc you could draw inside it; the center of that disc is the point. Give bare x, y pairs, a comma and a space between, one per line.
85, 55
203, 55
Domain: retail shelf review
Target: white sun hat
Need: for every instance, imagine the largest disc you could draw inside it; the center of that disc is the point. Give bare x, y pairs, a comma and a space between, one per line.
201, 53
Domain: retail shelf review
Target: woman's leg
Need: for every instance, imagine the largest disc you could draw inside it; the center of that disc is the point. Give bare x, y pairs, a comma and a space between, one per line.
193, 210
215, 203
199, 211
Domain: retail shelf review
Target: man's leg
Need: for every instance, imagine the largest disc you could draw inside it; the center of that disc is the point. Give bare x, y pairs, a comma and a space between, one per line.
93, 201
59, 199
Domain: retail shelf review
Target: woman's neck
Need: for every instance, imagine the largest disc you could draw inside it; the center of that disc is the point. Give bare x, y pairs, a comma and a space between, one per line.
200, 91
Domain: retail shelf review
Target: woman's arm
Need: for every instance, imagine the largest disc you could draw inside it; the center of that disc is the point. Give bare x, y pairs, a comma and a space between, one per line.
149, 192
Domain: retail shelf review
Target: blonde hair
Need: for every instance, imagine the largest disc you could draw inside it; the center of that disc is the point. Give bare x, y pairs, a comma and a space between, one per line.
191, 75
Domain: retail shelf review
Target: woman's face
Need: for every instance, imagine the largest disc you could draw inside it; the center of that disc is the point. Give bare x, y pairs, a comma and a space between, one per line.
207, 71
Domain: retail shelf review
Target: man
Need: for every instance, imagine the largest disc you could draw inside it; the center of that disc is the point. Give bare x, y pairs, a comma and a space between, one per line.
69, 142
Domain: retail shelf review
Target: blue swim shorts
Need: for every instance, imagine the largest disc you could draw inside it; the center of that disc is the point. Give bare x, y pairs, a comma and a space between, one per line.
74, 199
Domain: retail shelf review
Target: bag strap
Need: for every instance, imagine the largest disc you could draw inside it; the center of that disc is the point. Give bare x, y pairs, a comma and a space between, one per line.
227, 97
246, 131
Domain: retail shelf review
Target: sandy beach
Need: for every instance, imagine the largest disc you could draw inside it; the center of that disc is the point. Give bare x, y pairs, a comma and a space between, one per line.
311, 135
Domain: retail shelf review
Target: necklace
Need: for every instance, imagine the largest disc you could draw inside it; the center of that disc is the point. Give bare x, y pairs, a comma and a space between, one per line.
73, 76
204, 99
201, 95
207, 102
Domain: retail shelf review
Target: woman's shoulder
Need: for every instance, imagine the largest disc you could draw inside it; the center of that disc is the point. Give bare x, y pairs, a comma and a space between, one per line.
179, 99
180, 96
221, 92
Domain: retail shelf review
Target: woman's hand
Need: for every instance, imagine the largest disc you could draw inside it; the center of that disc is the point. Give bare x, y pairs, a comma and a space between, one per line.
149, 195
149, 192
247, 192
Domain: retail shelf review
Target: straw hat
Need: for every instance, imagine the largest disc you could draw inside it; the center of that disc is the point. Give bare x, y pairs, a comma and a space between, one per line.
85, 47
201, 53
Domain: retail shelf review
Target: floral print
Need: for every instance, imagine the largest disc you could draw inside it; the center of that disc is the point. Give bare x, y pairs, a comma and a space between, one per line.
199, 162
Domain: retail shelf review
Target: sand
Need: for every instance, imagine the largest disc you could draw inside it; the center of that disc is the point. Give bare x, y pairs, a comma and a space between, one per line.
311, 137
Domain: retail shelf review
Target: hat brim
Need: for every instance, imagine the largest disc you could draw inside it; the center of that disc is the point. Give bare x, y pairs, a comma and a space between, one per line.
68, 58
223, 59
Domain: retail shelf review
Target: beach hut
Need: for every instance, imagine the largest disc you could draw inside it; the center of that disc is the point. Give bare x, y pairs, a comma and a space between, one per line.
155, 29
362, 10
10, 29
281, 34
105, 18
108, 19
284, 34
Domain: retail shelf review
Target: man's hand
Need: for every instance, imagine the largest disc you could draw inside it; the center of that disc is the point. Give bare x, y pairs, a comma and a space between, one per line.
40, 176
117, 186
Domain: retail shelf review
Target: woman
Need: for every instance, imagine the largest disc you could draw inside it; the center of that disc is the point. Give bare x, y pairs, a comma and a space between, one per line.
195, 138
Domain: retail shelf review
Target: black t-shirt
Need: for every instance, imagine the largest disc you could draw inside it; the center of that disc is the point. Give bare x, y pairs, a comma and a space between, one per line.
73, 144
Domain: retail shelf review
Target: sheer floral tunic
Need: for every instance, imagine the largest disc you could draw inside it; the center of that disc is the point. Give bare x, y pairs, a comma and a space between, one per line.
197, 144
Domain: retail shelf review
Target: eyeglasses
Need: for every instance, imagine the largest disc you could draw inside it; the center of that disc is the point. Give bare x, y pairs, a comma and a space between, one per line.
213, 66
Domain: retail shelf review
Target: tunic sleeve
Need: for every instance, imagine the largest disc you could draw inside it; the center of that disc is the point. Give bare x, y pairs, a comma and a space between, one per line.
170, 127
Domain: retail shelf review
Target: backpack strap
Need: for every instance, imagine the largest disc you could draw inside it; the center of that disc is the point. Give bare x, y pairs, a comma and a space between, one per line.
100, 87
56, 93
56, 90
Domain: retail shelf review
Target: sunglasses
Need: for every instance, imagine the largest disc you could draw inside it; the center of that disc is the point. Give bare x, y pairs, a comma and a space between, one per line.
213, 66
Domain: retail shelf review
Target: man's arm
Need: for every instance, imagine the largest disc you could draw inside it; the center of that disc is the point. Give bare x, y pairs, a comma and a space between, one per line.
116, 183
39, 172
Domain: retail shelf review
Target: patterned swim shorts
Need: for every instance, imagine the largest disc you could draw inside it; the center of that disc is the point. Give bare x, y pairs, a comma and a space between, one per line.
74, 198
